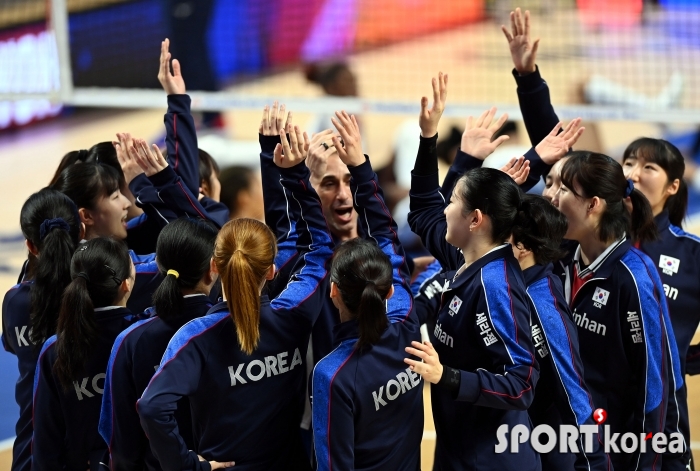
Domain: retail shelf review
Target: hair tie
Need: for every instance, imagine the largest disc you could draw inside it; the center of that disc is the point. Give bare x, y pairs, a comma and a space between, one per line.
50, 224
174, 273
84, 276
629, 189
369, 282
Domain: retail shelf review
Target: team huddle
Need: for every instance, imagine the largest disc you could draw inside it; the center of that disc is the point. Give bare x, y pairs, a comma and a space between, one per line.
152, 332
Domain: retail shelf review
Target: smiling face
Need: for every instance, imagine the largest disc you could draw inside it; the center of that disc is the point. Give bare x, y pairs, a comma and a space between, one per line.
334, 191
581, 221
108, 217
651, 179
458, 233
552, 183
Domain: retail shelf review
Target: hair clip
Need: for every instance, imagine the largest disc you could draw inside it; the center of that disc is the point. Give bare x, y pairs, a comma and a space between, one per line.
114, 275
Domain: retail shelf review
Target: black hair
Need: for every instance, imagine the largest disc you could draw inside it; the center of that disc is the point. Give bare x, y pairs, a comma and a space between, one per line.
50, 221
668, 157
98, 268
186, 246
601, 176
540, 228
364, 276
496, 195
207, 167
446, 146
87, 182
234, 180
103, 153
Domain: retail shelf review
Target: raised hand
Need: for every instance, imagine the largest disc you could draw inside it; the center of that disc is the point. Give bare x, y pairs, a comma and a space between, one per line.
272, 118
130, 166
522, 49
476, 139
429, 118
172, 83
320, 150
555, 146
149, 158
430, 368
518, 169
293, 151
350, 148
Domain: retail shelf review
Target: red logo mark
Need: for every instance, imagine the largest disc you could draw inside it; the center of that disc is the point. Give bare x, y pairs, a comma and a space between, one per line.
600, 416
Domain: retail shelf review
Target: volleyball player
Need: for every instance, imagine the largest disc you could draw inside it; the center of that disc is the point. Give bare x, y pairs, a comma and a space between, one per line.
367, 406
51, 226
242, 365
71, 368
184, 253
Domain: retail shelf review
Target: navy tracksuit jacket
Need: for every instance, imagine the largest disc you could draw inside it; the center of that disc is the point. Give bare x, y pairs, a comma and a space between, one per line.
136, 355
367, 405
245, 408
16, 309
624, 342
148, 278
66, 420
561, 396
540, 118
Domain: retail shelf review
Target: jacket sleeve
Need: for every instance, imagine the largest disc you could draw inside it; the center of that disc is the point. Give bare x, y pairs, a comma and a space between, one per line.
334, 449
560, 339
380, 226
181, 141
306, 290
427, 203
177, 376
503, 322
119, 422
539, 117
48, 422
462, 163
428, 299
644, 340
278, 215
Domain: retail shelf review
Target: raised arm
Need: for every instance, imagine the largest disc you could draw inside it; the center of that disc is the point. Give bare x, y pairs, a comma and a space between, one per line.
373, 213
306, 291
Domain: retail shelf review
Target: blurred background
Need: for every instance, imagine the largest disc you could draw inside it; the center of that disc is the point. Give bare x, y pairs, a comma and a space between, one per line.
75, 72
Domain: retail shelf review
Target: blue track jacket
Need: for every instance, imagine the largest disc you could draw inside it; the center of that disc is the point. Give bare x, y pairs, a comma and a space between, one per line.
245, 408
367, 405
136, 355
66, 420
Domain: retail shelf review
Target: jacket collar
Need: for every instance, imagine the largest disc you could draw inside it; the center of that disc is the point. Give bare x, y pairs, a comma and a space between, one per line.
111, 312
661, 220
504, 251
536, 273
603, 266
345, 331
222, 306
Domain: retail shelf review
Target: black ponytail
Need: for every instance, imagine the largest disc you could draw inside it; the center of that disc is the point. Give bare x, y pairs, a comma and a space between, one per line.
599, 175
669, 158
540, 228
102, 153
50, 221
495, 194
98, 269
364, 276
184, 251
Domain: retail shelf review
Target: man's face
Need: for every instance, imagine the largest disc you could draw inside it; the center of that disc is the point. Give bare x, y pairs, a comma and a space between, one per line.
333, 188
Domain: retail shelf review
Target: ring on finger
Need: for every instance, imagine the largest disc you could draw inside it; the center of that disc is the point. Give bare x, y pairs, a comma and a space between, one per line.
325, 146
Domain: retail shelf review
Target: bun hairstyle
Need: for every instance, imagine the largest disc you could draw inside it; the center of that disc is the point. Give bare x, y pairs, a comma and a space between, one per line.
496, 195
669, 158
85, 183
50, 221
364, 276
540, 228
184, 251
102, 153
98, 268
599, 175
244, 252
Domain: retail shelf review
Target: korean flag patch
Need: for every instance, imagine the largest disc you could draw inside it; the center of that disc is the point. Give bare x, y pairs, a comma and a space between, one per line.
600, 297
455, 304
669, 265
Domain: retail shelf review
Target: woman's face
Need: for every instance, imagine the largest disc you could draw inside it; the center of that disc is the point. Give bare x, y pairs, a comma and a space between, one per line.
651, 180
552, 183
457, 224
108, 218
577, 213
